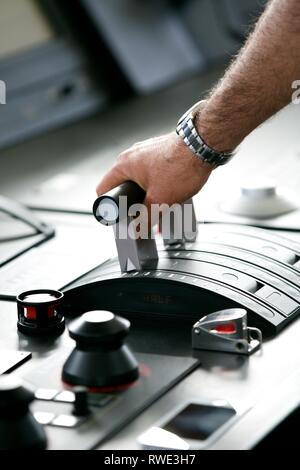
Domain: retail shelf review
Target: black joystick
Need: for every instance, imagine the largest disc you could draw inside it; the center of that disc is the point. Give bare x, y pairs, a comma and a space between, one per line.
18, 428
39, 312
100, 358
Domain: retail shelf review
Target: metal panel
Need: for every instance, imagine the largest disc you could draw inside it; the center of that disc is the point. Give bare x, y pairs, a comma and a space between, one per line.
148, 40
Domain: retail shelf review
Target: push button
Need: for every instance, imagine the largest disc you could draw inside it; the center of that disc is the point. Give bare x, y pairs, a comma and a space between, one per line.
47, 394
66, 421
280, 301
65, 396
39, 312
43, 417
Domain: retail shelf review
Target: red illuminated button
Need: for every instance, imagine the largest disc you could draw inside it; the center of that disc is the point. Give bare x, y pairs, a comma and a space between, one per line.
225, 329
39, 312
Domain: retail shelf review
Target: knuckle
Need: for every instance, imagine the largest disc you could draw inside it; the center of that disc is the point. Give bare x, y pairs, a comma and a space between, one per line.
136, 145
123, 158
152, 198
118, 161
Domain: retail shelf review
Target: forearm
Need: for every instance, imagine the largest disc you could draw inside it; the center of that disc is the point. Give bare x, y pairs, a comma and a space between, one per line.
259, 82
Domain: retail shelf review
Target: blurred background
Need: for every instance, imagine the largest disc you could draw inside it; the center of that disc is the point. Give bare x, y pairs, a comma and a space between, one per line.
65, 60
84, 80
88, 78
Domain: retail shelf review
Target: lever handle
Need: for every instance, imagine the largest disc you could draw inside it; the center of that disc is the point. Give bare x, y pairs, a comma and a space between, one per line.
110, 209
107, 207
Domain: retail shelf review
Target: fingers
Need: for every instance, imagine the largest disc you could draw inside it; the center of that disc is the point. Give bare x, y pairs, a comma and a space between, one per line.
153, 210
111, 180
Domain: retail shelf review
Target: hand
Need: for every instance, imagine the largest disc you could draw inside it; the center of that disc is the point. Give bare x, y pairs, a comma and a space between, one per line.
163, 166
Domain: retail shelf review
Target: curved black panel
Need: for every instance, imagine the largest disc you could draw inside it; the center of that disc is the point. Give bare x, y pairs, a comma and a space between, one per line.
228, 266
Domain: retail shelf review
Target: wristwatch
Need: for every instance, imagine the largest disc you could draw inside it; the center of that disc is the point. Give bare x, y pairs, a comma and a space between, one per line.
187, 131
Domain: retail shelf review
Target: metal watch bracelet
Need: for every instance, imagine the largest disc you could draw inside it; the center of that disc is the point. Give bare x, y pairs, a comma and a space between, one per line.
188, 132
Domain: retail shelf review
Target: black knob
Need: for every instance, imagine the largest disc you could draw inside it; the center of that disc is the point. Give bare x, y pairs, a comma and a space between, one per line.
100, 358
39, 312
18, 428
81, 404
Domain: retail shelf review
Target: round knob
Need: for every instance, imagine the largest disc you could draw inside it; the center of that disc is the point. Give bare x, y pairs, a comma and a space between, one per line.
258, 200
107, 211
257, 191
39, 312
99, 327
12, 395
18, 428
100, 359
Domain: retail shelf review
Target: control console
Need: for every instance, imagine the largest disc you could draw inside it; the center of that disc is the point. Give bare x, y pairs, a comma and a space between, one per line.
93, 357
226, 266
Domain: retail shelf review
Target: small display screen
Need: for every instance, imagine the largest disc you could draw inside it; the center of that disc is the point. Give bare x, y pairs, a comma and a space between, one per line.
199, 422
22, 25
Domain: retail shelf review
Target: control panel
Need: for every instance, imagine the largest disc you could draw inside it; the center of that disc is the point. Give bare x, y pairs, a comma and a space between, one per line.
223, 266
94, 356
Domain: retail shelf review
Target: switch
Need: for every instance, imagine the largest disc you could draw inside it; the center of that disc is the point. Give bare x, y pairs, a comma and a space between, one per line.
282, 302
47, 394
66, 396
66, 421
81, 407
43, 417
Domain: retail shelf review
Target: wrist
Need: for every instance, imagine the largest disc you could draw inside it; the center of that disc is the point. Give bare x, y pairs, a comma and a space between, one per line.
187, 130
189, 157
215, 130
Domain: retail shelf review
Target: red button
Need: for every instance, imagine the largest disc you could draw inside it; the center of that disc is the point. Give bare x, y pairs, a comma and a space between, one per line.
225, 329
30, 313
